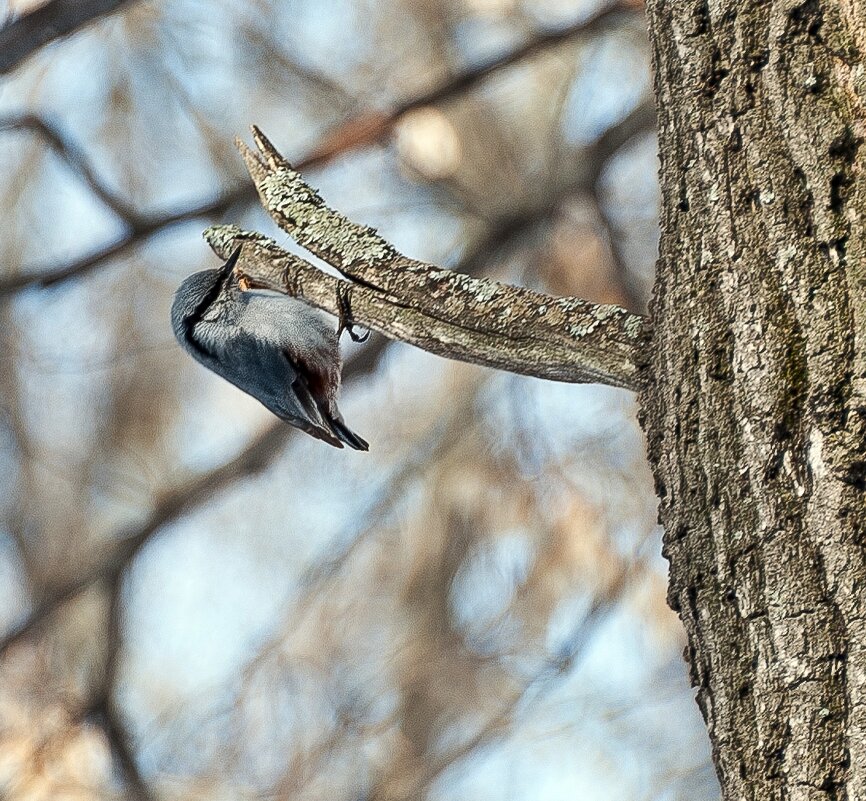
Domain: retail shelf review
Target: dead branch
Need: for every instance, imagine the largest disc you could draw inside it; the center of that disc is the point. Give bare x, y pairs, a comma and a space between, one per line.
453, 315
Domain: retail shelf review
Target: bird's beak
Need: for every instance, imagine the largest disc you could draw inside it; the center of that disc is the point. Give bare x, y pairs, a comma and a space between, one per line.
227, 268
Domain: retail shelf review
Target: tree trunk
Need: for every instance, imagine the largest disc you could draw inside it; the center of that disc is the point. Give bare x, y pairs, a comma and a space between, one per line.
755, 411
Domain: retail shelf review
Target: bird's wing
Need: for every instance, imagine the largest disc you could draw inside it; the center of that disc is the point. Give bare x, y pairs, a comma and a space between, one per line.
269, 375
292, 400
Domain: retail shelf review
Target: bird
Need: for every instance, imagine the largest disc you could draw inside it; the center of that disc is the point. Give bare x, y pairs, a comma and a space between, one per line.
273, 347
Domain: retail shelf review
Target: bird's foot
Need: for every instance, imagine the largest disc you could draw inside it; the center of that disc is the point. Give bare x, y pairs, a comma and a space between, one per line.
345, 317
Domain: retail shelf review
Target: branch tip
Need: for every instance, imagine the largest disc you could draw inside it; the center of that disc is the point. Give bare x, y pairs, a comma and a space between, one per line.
241, 145
269, 154
250, 157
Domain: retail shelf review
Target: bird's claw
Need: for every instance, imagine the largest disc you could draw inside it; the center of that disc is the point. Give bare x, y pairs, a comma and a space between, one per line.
345, 317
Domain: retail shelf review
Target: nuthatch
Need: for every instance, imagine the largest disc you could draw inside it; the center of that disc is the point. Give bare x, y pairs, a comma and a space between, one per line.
272, 347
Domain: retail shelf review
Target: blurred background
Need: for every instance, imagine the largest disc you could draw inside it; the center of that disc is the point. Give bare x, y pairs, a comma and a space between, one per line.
197, 601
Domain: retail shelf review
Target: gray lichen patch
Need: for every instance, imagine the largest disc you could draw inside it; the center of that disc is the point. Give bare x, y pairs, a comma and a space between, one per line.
220, 237
303, 213
604, 311
224, 238
588, 318
572, 305
583, 328
633, 326
476, 290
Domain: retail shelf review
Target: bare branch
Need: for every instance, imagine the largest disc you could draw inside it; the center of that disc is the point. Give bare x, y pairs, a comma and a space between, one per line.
359, 131
444, 312
123, 244
104, 709
121, 749
24, 36
74, 156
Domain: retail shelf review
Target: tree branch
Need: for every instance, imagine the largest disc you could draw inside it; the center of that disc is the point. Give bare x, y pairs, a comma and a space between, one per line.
103, 707
449, 314
25, 35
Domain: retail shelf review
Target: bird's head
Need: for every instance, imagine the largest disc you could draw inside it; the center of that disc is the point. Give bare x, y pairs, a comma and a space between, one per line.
195, 295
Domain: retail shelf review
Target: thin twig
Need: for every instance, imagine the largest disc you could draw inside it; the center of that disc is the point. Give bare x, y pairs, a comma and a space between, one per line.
25, 35
103, 708
73, 154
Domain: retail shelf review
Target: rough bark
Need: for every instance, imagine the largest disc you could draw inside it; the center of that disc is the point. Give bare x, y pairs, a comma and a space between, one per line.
755, 410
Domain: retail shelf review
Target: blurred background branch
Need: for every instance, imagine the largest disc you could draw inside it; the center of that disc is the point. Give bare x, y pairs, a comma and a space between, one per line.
73, 155
103, 708
359, 131
23, 35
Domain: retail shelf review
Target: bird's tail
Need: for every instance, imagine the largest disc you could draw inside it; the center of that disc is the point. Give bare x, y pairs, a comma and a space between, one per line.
321, 418
346, 435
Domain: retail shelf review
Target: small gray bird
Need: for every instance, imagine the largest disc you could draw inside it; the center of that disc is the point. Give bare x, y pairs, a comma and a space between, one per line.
273, 347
